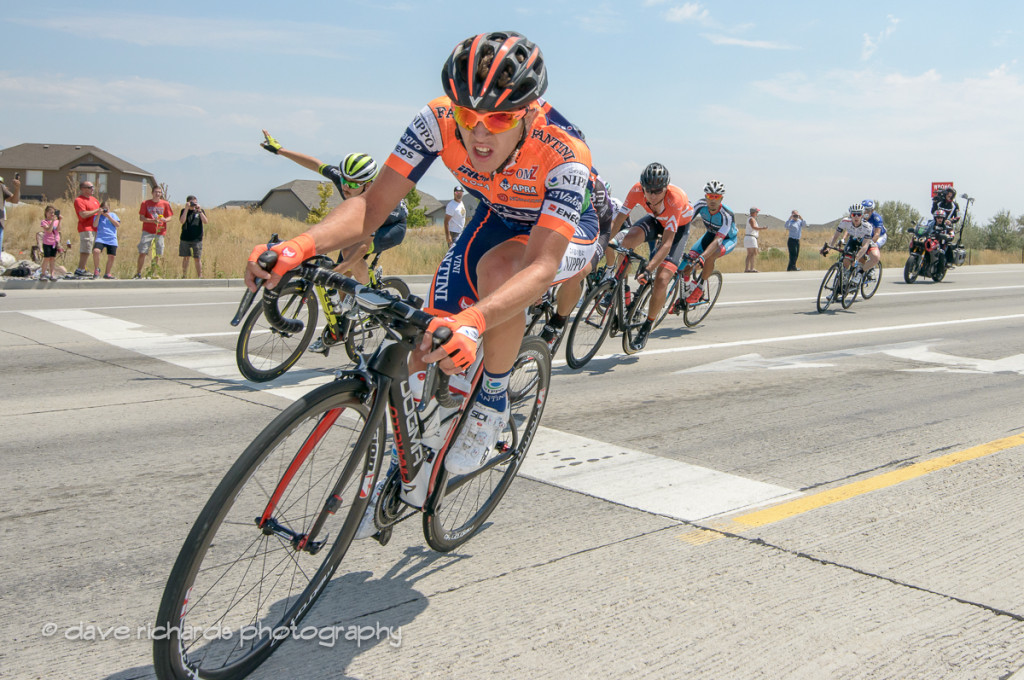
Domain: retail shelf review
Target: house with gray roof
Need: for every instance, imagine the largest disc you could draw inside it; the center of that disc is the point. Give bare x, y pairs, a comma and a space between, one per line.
50, 171
296, 198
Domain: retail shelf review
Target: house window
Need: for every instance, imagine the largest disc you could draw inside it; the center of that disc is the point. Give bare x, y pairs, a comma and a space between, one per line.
99, 180
34, 178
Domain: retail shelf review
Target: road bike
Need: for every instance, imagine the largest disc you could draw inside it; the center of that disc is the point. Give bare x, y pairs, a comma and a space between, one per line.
838, 284
264, 352
284, 517
675, 302
603, 310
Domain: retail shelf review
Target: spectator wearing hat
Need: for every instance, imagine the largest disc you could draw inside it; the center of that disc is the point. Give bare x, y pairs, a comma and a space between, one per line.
795, 224
454, 216
750, 239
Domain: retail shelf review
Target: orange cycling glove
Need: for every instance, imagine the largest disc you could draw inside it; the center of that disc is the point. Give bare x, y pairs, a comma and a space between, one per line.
467, 326
290, 254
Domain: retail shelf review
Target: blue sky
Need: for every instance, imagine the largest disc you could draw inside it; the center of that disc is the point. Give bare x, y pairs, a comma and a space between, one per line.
792, 105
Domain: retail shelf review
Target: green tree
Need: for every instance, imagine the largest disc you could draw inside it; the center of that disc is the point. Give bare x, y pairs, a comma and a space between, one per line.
326, 190
1003, 232
417, 215
899, 218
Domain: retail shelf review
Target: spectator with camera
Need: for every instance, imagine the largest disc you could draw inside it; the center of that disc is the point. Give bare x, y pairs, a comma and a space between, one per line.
192, 218
107, 223
154, 214
8, 196
795, 225
50, 225
87, 207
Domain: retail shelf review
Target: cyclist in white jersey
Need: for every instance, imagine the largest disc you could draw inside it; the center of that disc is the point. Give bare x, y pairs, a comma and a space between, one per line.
860, 232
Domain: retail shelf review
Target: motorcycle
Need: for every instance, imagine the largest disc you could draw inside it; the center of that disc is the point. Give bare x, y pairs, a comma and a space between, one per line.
929, 244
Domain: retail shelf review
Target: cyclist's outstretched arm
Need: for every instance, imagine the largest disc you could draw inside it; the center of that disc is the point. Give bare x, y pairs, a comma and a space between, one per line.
352, 222
274, 147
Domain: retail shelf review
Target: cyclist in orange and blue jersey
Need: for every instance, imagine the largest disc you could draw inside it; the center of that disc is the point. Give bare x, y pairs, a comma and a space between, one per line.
530, 230
717, 241
669, 215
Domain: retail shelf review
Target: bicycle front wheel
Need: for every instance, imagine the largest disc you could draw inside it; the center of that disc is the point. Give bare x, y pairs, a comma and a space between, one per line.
591, 325
264, 353
849, 289
635, 315
695, 313
671, 295
827, 291
365, 334
872, 279
460, 504
249, 563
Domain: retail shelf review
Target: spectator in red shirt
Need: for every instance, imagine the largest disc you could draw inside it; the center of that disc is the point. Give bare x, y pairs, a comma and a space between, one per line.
87, 207
154, 214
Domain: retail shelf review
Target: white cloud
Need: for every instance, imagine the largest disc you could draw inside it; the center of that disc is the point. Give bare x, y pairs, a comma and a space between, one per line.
740, 42
601, 19
690, 11
150, 30
871, 44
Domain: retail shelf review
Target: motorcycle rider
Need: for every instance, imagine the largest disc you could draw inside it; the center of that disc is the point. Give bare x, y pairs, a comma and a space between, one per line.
944, 231
944, 199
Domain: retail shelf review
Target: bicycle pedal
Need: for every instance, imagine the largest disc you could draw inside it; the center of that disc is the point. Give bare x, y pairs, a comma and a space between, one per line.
383, 536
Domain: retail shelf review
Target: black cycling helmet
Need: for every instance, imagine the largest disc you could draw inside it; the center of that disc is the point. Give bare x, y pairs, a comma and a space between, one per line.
654, 177
500, 71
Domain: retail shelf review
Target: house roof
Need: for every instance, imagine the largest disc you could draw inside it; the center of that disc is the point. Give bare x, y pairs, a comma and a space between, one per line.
306, 190
56, 156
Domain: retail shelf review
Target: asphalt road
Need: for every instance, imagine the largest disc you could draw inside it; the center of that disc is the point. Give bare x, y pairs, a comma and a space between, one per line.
774, 494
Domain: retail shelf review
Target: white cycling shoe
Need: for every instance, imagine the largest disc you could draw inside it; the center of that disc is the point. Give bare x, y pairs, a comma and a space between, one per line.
475, 443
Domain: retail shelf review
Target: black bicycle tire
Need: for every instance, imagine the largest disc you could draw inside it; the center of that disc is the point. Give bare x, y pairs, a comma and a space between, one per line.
849, 289
532, 351
877, 281
573, 359
245, 365
346, 394
635, 308
671, 295
352, 335
821, 304
690, 317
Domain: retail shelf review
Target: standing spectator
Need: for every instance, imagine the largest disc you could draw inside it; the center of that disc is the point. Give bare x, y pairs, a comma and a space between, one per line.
50, 225
192, 219
154, 214
454, 216
750, 239
87, 208
795, 224
107, 224
7, 196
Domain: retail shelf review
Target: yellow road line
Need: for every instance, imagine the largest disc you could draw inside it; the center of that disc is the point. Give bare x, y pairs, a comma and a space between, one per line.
841, 493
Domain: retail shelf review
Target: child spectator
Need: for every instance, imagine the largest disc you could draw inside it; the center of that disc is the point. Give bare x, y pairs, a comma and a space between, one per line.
50, 225
106, 237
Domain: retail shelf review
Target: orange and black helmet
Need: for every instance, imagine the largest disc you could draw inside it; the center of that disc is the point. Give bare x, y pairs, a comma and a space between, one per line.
500, 71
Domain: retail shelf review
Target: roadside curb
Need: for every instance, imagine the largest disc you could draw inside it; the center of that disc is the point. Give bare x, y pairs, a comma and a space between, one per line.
77, 284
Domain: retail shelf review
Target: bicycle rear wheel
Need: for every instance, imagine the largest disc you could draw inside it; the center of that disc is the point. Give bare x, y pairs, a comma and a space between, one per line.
695, 313
591, 325
365, 334
827, 291
872, 279
264, 353
248, 562
459, 505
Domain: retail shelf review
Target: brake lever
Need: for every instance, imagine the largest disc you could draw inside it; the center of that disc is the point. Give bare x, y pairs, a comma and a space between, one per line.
249, 295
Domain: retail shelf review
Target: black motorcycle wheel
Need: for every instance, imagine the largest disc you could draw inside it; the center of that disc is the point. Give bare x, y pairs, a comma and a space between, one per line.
912, 268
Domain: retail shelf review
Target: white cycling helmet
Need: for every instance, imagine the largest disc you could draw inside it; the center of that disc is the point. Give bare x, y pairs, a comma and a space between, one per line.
714, 187
856, 209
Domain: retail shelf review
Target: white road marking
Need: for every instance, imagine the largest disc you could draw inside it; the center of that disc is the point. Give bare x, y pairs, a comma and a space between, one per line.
804, 336
624, 476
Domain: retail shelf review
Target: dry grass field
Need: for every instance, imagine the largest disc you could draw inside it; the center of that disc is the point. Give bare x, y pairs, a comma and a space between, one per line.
231, 234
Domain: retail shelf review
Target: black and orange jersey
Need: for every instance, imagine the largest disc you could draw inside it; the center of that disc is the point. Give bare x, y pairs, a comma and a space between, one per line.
543, 186
676, 211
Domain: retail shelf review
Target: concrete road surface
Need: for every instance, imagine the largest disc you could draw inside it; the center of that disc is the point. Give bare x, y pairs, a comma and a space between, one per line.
776, 493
